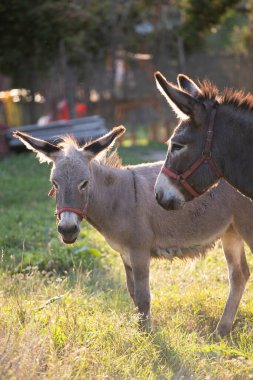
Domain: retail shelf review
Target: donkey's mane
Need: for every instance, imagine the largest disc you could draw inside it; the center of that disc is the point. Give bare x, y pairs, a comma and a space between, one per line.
108, 157
226, 96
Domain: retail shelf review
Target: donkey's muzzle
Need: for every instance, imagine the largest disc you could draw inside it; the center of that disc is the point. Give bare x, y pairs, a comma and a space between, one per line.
171, 203
69, 230
68, 233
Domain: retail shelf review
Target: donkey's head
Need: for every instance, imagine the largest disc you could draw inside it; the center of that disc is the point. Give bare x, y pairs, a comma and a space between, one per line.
71, 176
186, 172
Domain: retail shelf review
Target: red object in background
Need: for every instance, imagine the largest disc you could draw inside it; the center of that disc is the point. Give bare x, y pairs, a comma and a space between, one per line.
63, 110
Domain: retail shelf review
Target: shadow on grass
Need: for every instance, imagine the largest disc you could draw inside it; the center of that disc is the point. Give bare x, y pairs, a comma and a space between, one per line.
169, 357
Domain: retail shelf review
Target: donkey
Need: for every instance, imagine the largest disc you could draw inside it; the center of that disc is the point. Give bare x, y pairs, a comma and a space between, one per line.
214, 139
119, 202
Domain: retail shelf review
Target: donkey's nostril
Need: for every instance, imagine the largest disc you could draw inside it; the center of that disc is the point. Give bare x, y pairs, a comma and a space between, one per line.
60, 229
158, 196
72, 229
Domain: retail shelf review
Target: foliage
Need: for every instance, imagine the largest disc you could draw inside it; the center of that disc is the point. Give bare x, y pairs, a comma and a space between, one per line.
242, 34
109, 26
31, 31
200, 16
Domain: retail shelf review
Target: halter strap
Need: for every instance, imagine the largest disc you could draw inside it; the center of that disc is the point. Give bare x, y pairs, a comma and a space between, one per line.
81, 213
206, 157
182, 179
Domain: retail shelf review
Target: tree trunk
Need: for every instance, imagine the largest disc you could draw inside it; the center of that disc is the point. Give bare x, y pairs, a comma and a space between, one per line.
32, 104
181, 54
69, 82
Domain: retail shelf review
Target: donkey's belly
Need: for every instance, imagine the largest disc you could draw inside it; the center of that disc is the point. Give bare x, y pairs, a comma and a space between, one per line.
181, 253
183, 242
120, 248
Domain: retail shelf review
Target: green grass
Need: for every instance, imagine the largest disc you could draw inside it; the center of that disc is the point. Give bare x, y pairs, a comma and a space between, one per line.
89, 330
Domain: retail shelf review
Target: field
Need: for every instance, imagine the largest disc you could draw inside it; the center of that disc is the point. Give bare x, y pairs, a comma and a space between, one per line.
65, 312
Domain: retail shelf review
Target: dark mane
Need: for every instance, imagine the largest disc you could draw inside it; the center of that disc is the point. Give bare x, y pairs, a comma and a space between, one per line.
226, 96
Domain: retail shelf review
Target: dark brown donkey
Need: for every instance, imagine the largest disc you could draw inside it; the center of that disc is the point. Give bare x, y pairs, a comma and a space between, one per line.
214, 139
119, 202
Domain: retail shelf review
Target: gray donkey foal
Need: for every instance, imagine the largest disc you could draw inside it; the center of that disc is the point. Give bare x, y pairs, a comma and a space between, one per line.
119, 202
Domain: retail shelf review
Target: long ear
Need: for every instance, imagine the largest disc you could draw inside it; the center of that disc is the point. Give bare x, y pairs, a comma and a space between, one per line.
180, 101
45, 150
187, 84
105, 141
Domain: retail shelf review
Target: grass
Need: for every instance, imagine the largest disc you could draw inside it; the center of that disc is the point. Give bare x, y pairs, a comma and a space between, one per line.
65, 312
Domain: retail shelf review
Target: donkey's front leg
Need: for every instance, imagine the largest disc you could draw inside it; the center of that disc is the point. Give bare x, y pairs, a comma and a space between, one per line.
238, 271
140, 267
129, 280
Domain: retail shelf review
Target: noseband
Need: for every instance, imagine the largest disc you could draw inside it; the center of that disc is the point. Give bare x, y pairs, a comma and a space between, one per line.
81, 213
205, 158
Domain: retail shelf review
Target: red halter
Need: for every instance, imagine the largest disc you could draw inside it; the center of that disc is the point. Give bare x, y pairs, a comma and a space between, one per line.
206, 157
81, 213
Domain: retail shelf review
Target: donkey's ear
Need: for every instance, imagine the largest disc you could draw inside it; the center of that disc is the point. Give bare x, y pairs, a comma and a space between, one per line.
181, 102
187, 84
104, 142
45, 150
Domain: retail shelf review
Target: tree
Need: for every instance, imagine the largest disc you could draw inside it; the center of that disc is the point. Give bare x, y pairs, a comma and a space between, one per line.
200, 16
31, 31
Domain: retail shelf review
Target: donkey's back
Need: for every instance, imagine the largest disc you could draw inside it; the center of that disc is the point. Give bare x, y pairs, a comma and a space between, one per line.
197, 225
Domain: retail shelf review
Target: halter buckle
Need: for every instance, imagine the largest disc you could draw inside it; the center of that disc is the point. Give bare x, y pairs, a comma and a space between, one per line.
181, 178
207, 155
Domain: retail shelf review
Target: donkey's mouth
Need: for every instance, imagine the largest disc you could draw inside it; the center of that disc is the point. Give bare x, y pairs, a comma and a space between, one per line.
68, 233
172, 204
68, 241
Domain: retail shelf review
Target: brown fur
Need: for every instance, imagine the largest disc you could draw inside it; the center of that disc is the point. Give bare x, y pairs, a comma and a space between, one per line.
228, 96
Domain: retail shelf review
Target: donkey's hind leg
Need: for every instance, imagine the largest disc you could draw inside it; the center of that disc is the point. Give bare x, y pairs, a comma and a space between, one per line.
238, 272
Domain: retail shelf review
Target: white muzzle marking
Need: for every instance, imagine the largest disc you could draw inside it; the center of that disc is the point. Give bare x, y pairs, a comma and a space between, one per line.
166, 190
69, 219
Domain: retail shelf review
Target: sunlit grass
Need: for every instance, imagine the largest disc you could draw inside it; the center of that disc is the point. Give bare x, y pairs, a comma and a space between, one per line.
65, 312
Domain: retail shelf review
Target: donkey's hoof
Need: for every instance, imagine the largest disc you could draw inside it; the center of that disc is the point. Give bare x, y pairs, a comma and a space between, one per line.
216, 336
146, 326
221, 332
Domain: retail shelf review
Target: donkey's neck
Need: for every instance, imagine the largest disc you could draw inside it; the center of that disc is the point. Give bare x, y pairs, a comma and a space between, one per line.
110, 197
235, 146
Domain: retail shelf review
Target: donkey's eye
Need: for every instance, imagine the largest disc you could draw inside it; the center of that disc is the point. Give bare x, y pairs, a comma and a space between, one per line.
55, 185
83, 185
175, 147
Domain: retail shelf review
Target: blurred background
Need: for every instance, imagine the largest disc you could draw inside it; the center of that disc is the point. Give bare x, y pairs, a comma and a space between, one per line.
63, 60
